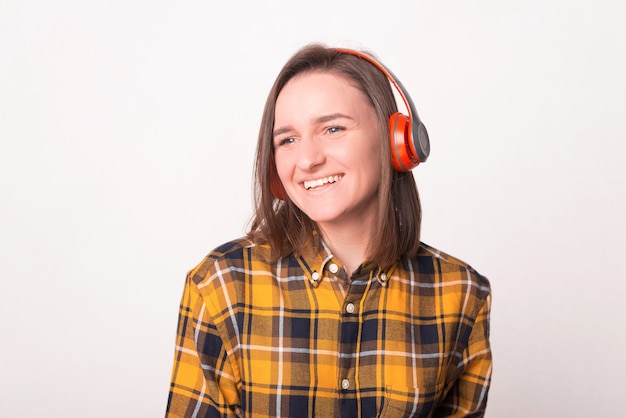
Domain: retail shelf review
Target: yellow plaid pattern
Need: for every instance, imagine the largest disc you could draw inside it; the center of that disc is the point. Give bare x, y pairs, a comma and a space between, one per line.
298, 338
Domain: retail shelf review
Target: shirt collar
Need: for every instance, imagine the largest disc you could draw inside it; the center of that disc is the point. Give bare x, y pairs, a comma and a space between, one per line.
319, 262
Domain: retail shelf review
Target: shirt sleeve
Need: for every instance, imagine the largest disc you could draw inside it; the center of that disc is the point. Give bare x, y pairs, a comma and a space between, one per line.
203, 384
467, 396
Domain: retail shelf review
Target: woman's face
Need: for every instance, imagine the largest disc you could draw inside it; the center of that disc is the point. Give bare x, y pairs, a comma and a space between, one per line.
327, 147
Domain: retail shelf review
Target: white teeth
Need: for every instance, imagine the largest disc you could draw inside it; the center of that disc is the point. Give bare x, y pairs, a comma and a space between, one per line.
311, 184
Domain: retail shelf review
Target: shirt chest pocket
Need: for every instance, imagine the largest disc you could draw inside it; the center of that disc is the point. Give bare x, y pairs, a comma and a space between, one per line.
409, 402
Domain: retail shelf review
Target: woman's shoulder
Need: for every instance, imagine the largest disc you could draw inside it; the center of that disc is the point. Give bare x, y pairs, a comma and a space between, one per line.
230, 256
230, 249
431, 260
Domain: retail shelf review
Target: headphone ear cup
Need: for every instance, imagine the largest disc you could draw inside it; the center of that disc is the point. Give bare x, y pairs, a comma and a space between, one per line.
276, 187
403, 155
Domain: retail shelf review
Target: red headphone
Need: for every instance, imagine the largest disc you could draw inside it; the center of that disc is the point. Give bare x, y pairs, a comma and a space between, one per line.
408, 138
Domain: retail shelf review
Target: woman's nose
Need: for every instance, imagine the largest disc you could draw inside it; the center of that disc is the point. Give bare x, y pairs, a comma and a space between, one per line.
311, 154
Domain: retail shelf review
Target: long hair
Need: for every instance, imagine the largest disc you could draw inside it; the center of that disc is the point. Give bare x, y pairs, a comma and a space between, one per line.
280, 223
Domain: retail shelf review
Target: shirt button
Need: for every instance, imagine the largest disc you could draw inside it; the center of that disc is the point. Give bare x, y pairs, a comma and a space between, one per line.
345, 384
350, 307
383, 277
315, 276
333, 268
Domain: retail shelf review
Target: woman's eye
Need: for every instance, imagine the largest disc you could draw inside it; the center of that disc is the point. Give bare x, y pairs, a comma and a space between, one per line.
334, 129
286, 141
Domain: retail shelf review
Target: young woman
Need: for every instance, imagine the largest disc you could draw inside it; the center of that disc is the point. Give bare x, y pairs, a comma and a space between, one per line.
331, 306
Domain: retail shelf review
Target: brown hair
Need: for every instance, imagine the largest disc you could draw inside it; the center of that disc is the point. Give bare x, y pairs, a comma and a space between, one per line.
280, 223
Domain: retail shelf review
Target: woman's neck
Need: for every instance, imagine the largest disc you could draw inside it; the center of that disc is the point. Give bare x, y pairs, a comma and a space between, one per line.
348, 243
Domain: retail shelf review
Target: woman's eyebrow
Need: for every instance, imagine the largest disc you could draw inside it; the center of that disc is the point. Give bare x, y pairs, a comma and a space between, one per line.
281, 131
321, 119
333, 116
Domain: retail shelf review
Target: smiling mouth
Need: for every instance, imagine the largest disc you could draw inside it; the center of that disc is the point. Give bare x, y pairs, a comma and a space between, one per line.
313, 184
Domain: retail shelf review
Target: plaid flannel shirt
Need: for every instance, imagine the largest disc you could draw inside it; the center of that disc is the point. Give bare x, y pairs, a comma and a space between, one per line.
299, 338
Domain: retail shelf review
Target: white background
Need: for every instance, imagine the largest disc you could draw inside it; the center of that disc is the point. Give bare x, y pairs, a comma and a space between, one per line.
127, 134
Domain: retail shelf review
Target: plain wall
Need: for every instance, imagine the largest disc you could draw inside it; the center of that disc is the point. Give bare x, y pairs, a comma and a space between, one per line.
127, 135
